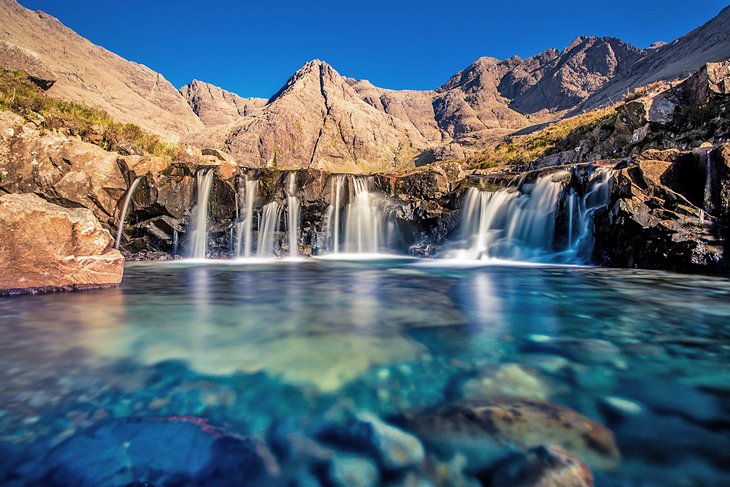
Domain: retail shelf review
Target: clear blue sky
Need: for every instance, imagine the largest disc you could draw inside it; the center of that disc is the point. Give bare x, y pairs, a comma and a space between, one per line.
252, 47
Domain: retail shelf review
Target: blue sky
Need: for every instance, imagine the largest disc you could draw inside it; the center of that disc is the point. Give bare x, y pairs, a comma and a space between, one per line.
251, 48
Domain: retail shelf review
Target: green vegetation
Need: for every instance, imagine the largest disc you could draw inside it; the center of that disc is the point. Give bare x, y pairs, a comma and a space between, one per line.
19, 95
552, 139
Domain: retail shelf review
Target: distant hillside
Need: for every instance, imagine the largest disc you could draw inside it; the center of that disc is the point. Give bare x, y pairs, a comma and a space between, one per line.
84, 72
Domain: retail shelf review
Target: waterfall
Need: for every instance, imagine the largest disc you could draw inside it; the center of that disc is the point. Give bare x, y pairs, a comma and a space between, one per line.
707, 194
268, 228
521, 223
244, 225
292, 204
199, 215
125, 209
332, 219
579, 215
365, 219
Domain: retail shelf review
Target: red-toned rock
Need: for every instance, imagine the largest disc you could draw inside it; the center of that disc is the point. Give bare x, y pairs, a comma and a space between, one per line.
45, 248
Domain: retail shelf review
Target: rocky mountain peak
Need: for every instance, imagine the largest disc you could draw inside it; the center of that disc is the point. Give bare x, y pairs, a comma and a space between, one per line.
216, 106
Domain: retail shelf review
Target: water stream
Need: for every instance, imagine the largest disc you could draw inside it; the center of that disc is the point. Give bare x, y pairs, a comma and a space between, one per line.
125, 209
244, 225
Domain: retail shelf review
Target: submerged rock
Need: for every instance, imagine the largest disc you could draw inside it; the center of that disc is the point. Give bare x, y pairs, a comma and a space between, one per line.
160, 451
487, 430
45, 247
585, 350
506, 380
544, 466
394, 448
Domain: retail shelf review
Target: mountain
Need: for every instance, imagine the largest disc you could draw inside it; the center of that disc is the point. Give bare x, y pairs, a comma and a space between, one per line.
216, 106
84, 72
317, 120
708, 43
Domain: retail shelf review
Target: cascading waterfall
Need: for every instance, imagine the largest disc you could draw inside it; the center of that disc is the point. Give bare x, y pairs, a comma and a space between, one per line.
365, 220
292, 204
332, 222
520, 223
268, 228
199, 216
125, 209
244, 225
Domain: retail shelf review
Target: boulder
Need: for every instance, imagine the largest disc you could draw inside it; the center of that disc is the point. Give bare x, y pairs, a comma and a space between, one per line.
487, 430
165, 451
711, 81
45, 247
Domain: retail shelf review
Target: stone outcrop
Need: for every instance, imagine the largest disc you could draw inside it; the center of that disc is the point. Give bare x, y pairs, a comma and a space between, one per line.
90, 74
44, 247
216, 106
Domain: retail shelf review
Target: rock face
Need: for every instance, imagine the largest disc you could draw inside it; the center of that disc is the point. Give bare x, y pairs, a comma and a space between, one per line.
216, 106
92, 75
667, 212
44, 247
162, 451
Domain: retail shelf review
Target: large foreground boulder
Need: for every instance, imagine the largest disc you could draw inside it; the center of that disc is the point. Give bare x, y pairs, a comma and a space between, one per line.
45, 247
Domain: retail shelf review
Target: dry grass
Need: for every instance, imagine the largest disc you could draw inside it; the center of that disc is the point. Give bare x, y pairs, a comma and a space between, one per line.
19, 95
549, 140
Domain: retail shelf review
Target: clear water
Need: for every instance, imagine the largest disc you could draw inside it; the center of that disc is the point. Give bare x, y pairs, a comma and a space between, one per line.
249, 345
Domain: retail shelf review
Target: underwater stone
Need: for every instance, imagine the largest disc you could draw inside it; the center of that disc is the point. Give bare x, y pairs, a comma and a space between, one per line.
506, 380
544, 466
487, 430
394, 448
352, 471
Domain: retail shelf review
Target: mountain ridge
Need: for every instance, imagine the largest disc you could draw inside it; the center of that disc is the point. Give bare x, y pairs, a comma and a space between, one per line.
320, 119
